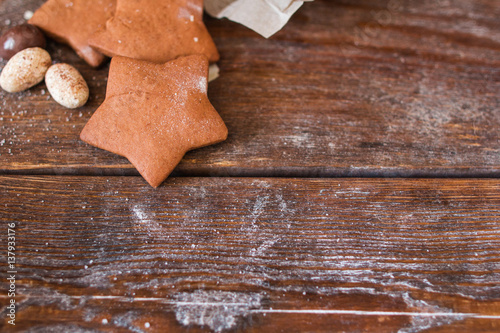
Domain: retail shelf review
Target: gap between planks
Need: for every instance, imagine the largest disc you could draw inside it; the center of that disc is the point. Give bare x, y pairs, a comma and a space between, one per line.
278, 172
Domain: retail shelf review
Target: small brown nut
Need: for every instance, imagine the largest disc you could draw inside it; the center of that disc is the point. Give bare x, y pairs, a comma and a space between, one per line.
19, 38
67, 86
24, 70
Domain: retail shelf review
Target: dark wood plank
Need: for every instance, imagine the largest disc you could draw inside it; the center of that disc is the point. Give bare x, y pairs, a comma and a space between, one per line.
367, 88
256, 255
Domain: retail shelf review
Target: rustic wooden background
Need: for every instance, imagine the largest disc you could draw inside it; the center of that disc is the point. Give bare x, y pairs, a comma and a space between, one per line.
358, 190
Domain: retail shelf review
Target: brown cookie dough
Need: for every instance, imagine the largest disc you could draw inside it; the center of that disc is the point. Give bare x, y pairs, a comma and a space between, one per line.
156, 31
73, 21
154, 113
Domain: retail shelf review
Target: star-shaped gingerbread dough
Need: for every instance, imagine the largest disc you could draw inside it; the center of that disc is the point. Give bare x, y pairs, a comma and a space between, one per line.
156, 30
154, 113
73, 21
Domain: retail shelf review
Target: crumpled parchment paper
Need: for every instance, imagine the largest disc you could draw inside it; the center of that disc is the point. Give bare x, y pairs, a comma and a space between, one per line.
263, 16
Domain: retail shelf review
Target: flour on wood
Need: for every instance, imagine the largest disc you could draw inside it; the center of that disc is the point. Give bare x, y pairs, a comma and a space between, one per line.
140, 214
148, 221
302, 141
127, 321
258, 208
218, 310
264, 246
422, 323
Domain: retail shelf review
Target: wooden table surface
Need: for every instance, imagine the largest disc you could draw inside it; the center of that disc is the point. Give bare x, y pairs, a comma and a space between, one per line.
358, 190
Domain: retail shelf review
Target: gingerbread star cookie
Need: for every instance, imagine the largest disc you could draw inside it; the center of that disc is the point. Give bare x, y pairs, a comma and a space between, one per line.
154, 113
73, 21
156, 30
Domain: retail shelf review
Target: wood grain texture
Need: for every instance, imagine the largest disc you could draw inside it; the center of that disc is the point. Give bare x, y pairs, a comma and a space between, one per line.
256, 255
348, 88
